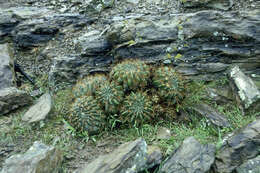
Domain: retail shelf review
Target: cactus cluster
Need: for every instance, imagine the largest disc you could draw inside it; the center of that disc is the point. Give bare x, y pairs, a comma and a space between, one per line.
131, 74
130, 93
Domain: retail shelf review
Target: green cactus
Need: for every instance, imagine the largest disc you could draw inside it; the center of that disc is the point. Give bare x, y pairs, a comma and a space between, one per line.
88, 85
137, 109
110, 95
131, 74
87, 115
169, 84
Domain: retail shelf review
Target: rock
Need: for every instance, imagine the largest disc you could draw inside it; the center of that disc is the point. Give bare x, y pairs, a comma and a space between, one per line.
154, 156
92, 43
163, 133
107, 3
70, 68
212, 115
246, 92
31, 27
133, 1
190, 157
6, 74
238, 148
129, 157
199, 44
252, 166
217, 4
40, 110
12, 98
221, 95
7, 24
38, 159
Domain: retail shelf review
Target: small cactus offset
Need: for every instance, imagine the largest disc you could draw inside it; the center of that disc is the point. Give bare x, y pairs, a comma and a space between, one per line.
131, 74
137, 109
110, 95
169, 84
88, 85
87, 115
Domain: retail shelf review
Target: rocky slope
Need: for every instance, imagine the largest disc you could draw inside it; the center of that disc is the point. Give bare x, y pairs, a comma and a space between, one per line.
65, 40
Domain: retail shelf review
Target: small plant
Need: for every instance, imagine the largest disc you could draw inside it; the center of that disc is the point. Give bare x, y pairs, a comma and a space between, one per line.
169, 84
87, 115
131, 74
110, 95
137, 109
88, 85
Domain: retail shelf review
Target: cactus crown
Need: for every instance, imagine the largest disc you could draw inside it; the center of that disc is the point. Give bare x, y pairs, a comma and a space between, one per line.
169, 83
87, 115
110, 95
131, 74
88, 85
137, 108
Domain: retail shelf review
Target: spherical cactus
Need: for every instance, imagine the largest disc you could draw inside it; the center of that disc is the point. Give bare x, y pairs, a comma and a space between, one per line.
137, 109
110, 95
88, 85
131, 74
169, 83
87, 115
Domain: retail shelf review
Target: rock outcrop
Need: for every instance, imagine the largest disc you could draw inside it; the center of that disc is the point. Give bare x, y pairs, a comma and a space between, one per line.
201, 44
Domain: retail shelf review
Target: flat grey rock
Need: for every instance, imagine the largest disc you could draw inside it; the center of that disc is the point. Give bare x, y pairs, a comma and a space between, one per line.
246, 92
130, 157
6, 74
216, 4
40, 110
239, 148
252, 166
38, 159
12, 98
212, 115
190, 157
